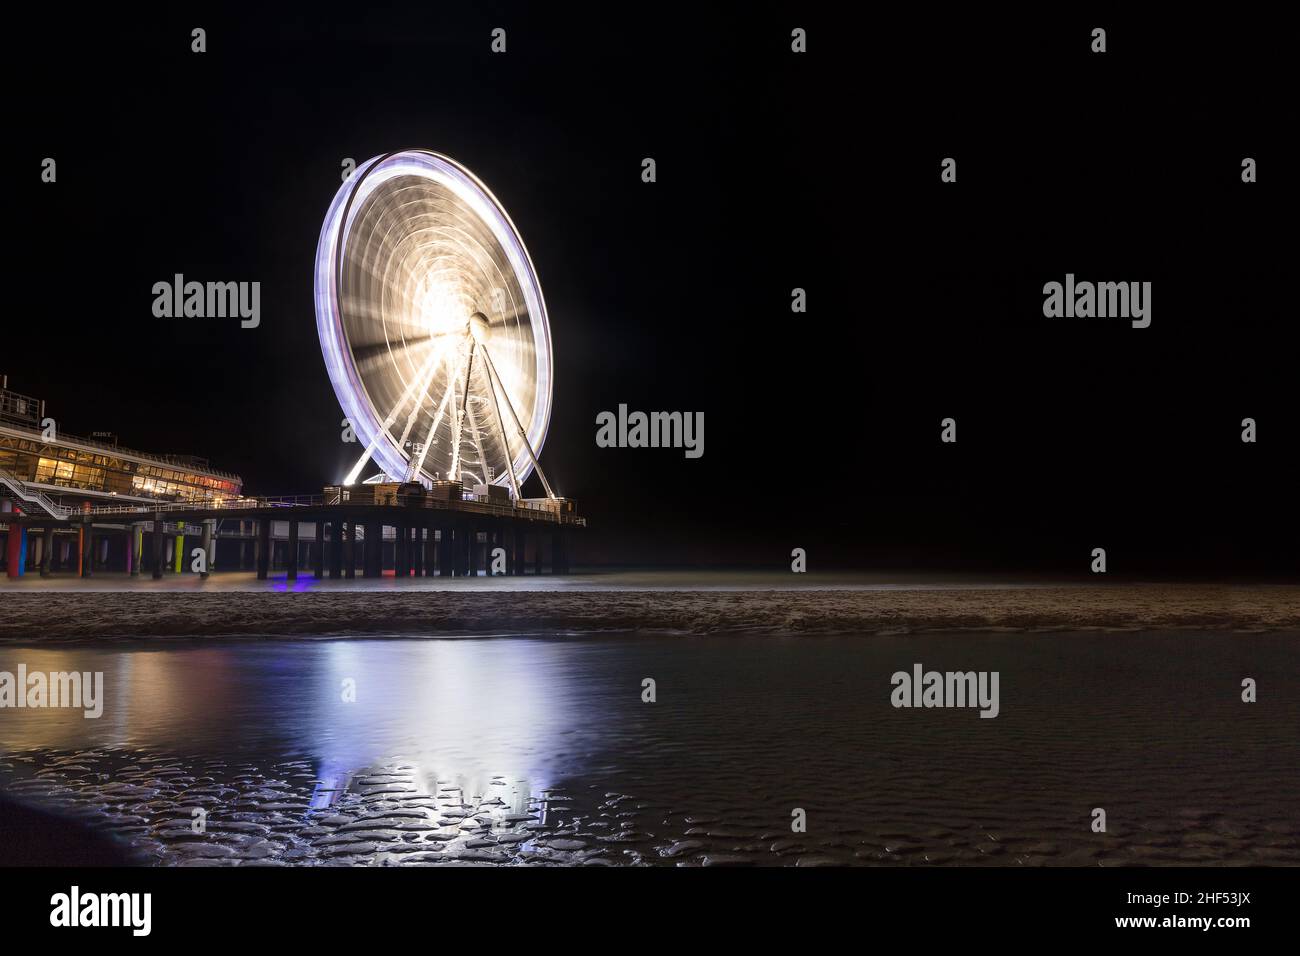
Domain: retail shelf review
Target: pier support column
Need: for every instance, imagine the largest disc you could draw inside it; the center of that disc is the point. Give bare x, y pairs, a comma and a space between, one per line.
137, 549
350, 549
46, 550
293, 550
178, 557
537, 552
206, 544
263, 547
335, 549
157, 545
318, 552
444, 551
11, 541
430, 551
13, 551
417, 551
401, 552
22, 551
88, 555
370, 551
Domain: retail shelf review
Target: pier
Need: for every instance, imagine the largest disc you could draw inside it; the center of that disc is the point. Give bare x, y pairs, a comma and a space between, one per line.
336, 534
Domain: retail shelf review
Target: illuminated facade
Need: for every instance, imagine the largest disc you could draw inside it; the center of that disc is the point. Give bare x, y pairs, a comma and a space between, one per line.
69, 468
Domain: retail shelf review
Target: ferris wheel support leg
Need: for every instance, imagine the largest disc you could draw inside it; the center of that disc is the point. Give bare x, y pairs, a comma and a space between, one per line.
492, 369
496, 405
478, 440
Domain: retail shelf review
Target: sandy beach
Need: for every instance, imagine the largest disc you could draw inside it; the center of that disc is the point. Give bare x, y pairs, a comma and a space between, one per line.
704, 603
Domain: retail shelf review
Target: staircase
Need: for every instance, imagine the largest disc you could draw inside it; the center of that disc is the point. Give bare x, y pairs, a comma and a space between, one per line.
19, 490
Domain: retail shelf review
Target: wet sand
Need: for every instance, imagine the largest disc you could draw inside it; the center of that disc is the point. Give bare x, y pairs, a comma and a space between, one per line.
540, 751
236, 605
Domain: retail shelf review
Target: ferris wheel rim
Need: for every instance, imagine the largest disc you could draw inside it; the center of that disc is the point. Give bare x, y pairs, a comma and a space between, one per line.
361, 410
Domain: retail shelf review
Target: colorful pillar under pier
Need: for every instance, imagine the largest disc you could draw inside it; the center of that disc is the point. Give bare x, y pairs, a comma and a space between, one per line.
12, 551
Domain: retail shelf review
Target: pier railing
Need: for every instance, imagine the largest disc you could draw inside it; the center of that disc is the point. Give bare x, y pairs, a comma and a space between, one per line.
533, 511
415, 502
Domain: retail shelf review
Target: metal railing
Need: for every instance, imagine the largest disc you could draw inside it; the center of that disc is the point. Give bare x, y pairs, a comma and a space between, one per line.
470, 506
20, 490
20, 408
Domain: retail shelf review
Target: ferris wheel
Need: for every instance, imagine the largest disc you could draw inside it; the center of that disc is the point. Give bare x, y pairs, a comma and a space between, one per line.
433, 326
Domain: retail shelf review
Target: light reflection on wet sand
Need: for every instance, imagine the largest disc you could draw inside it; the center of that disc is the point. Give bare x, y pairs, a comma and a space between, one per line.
540, 750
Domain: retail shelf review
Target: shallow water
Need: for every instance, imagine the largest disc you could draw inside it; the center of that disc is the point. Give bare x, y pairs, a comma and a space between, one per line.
541, 750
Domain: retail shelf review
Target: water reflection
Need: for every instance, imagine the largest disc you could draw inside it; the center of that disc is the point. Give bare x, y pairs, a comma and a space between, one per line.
469, 709
458, 738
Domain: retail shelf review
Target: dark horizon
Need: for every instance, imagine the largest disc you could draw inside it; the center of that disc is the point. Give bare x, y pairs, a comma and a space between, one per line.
822, 430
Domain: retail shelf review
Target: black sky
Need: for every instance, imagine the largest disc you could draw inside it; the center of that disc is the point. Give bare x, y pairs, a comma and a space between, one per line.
774, 171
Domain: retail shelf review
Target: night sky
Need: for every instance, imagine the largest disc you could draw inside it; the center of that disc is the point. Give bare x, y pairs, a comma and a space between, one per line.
775, 171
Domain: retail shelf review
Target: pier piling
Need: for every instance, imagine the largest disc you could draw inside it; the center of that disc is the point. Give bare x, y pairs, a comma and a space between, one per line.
46, 550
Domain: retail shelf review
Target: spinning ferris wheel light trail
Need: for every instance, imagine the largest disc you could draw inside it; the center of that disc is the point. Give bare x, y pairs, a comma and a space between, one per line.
432, 323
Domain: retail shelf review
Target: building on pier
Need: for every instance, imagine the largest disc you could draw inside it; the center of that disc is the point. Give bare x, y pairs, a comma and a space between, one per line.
45, 465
